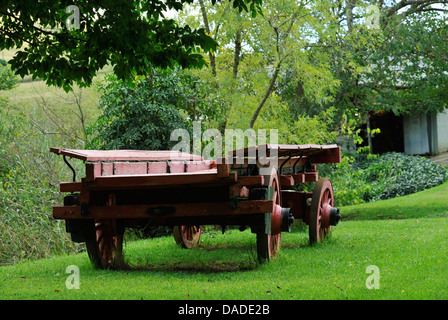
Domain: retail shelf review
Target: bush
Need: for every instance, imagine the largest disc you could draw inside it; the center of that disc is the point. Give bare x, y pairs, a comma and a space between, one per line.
400, 175
365, 179
8, 80
139, 116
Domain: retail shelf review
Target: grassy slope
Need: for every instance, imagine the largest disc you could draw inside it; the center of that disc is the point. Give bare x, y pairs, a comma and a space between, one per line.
428, 203
29, 95
410, 254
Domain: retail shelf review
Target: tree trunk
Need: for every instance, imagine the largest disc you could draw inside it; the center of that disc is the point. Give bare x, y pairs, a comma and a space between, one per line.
369, 133
236, 57
266, 95
207, 29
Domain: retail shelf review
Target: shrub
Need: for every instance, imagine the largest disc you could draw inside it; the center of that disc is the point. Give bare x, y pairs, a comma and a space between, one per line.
400, 175
8, 80
140, 116
362, 179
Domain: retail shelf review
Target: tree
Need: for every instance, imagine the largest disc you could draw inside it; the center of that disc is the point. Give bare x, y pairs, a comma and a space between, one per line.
409, 71
139, 116
65, 44
397, 65
8, 79
256, 53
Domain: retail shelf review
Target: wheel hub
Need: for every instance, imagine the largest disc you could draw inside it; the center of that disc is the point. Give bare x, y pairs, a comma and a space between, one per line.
281, 219
329, 216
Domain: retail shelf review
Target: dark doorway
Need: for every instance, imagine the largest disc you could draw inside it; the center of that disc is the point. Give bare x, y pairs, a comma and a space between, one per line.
390, 138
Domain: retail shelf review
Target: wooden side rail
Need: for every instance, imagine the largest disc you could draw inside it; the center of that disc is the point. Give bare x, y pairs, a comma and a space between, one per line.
97, 169
175, 210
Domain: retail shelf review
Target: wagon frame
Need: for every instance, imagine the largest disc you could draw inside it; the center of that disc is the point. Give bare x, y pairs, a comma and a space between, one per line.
133, 189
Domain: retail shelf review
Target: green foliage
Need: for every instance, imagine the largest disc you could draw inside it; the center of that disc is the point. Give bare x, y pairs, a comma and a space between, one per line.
302, 129
141, 116
129, 35
400, 175
8, 80
382, 177
429, 203
408, 71
259, 56
28, 190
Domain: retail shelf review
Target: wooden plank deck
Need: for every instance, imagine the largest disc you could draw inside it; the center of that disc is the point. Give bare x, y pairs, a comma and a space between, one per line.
319, 153
125, 155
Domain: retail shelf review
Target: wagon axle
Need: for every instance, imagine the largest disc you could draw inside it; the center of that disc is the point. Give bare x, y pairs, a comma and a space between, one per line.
282, 219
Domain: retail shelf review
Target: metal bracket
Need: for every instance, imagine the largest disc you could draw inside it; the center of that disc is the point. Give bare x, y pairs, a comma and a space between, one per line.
281, 166
308, 162
71, 168
297, 161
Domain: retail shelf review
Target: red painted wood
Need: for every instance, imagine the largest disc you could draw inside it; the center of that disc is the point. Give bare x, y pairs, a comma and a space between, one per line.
296, 200
146, 180
107, 169
193, 166
299, 177
125, 155
176, 166
93, 170
286, 181
70, 186
311, 176
157, 167
129, 168
181, 210
223, 167
251, 180
321, 153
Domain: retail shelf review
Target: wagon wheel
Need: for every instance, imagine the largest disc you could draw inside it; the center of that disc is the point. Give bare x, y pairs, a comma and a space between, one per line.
187, 236
321, 204
268, 245
105, 243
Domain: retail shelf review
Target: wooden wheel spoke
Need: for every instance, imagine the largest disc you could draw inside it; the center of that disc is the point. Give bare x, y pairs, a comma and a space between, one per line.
106, 244
187, 236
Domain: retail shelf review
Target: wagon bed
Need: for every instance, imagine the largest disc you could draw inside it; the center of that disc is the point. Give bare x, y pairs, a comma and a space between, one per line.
133, 189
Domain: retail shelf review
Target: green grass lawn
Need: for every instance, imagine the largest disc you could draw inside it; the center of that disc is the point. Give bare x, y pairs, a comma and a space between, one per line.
428, 203
410, 254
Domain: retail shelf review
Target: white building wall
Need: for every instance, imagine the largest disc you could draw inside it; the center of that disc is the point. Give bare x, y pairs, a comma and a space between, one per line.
415, 134
442, 131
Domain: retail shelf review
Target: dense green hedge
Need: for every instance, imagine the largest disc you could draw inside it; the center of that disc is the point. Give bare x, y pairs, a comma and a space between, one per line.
401, 175
360, 179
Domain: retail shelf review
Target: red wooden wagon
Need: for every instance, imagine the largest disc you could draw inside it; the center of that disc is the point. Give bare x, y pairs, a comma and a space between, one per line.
130, 188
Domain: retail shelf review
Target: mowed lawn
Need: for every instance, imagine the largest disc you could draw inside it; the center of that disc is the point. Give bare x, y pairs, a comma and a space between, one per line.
394, 249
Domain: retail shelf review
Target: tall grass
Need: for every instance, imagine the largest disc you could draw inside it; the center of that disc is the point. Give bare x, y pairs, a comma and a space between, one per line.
29, 178
29, 182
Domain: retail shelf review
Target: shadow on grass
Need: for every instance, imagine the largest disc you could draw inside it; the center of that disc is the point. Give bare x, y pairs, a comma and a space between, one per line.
205, 259
188, 266
206, 266
200, 265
